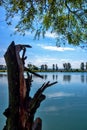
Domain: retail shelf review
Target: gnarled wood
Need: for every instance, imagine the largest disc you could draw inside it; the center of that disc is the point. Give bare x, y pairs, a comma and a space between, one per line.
21, 110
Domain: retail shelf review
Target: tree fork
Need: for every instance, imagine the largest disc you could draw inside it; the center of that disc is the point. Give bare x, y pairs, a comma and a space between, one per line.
21, 108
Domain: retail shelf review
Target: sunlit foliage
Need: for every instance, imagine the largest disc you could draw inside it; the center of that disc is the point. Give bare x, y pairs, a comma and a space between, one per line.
63, 17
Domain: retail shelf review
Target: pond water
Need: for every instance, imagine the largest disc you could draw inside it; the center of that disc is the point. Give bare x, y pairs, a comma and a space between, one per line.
65, 107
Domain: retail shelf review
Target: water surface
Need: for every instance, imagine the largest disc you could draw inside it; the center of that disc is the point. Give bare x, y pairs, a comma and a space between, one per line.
65, 107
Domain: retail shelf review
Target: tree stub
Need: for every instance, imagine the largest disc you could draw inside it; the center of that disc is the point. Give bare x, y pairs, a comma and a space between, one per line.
21, 108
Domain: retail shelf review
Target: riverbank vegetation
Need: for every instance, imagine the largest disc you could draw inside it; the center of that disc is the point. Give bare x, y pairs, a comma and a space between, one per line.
50, 70
67, 67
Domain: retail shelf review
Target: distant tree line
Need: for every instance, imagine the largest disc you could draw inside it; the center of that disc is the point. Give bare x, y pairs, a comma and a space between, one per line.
44, 67
32, 67
66, 67
3, 67
83, 66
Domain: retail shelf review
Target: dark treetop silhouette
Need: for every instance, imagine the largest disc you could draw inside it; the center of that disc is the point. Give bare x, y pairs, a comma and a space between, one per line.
21, 110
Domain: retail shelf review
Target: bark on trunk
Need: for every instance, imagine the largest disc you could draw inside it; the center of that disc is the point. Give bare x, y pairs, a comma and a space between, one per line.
21, 109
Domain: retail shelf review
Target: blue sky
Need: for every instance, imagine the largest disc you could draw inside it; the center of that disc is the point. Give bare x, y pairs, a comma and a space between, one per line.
43, 51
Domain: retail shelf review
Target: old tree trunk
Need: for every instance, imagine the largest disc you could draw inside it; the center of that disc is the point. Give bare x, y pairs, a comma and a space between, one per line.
21, 108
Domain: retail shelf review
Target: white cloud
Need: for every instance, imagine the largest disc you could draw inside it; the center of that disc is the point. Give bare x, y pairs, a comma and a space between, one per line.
55, 48
74, 63
47, 59
39, 60
2, 61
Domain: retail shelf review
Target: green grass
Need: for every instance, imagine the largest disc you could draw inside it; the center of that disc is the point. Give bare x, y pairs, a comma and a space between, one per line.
73, 70
3, 70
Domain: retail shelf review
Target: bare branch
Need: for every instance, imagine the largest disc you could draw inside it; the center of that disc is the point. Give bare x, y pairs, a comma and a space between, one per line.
28, 70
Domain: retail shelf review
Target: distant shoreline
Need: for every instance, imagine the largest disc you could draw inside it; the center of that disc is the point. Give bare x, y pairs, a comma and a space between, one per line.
73, 70
3, 70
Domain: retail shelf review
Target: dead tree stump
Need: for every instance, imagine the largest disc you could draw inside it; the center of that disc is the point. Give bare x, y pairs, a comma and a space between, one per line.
21, 109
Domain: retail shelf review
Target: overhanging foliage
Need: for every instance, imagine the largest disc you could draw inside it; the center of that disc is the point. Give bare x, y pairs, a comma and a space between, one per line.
63, 17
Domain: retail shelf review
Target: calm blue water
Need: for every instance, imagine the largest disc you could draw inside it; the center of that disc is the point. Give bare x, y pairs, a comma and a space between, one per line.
65, 107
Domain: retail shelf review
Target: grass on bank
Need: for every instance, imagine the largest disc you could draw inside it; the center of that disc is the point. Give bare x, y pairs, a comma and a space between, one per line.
72, 70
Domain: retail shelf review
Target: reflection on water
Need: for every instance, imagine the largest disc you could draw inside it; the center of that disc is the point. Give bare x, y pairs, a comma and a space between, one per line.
45, 76
65, 107
2, 75
3, 98
55, 77
82, 78
67, 78
70, 77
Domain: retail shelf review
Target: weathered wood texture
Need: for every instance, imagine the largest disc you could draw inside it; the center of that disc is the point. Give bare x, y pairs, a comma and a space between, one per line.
21, 109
